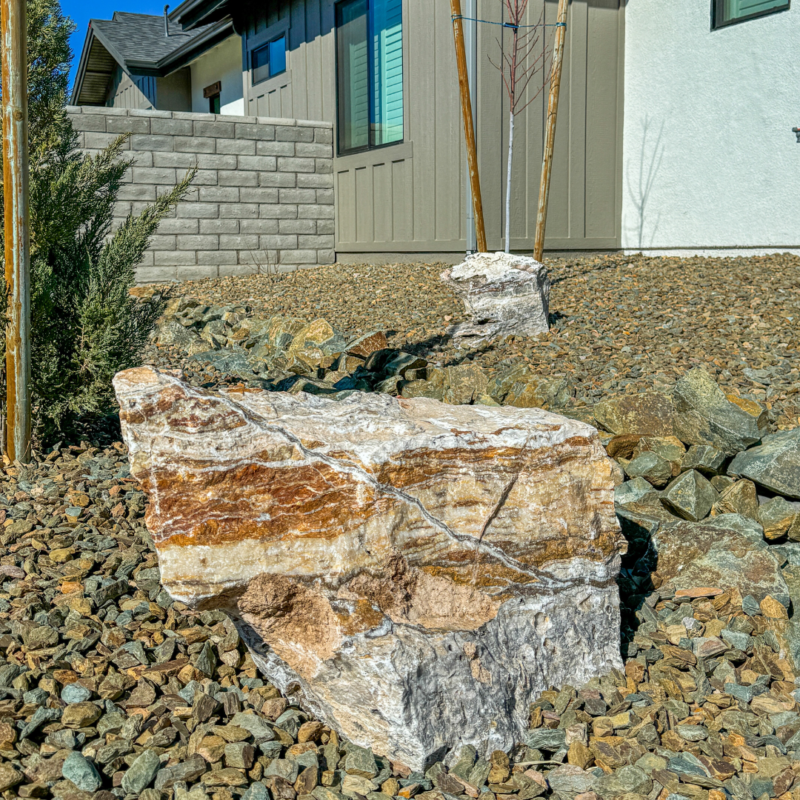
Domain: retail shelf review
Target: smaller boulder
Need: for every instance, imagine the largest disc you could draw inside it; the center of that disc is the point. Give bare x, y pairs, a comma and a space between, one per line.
740, 497
704, 458
670, 448
650, 466
631, 491
726, 552
504, 294
775, 464
777, 516
523, 388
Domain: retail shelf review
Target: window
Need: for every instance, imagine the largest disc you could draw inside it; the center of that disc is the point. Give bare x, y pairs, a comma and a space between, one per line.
369, 66
269, 60
212, 94
727, 12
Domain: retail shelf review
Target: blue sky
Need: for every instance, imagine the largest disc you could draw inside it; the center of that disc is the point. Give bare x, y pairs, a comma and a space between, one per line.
82, 11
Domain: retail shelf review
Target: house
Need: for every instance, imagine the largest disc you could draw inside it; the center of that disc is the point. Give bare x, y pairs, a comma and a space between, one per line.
674, 129
148, 62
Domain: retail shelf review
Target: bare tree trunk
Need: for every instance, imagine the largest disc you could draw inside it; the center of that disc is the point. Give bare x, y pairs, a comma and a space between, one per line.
508, 179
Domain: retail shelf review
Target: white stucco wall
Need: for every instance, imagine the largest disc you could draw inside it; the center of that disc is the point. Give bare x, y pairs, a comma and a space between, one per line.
220, 63
710, 160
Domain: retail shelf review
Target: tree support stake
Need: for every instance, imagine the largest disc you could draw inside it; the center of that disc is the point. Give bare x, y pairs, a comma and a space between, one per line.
550, 133
13, 40
469, 129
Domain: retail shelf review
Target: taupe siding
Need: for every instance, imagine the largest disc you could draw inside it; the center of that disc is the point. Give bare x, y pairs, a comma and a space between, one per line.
585, 194
410, 196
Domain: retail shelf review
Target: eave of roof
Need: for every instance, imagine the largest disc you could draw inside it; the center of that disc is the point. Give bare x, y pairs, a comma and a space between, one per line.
192, 13
176, 59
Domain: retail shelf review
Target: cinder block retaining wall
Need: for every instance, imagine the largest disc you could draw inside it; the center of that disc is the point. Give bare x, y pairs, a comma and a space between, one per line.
262, 198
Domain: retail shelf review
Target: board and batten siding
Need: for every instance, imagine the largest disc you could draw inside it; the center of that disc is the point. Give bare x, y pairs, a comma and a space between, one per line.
410, 196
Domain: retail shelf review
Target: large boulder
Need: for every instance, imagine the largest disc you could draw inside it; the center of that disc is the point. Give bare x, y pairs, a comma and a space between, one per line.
417, 572
504, 294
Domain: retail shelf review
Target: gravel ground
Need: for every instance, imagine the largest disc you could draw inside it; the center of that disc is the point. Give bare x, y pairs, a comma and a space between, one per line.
109, 689
620, 324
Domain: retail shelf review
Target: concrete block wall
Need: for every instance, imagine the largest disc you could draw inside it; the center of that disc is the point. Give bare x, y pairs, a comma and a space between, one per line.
262, 199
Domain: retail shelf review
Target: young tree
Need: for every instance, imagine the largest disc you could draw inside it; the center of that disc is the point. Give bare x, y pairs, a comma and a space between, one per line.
85, 326
519, 63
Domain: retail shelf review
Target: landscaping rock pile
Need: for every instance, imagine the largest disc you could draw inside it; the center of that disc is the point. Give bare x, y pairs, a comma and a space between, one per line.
109, 689
288, 354
706, 707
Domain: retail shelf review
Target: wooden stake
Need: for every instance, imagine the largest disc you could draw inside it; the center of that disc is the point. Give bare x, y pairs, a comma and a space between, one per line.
469, 130
550, 133
13, 38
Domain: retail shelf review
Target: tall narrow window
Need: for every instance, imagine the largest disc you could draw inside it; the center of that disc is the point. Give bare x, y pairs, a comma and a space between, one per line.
726, 12
369, 73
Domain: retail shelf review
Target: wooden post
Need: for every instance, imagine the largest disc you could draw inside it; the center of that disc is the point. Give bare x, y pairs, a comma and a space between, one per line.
13, 39
550, 133
469, 129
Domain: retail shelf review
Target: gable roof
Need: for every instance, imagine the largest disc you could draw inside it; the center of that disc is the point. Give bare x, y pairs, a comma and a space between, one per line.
139, 45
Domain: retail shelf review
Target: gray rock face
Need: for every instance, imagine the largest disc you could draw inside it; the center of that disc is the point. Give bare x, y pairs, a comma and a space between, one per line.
775, 464
495, 677
705, 415
504, 294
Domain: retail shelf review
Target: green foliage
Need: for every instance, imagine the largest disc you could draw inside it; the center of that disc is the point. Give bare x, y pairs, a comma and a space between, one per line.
85, 324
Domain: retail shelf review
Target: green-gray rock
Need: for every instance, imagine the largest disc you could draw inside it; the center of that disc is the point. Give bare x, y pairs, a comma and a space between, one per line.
631, 491
646, 414
464, 383
721, 482
523, 388
739, 498
690, 496
626, 780
78, 769
360, 761
775, 464
704, 458
724, 552
141, 773
651, 467
705, 415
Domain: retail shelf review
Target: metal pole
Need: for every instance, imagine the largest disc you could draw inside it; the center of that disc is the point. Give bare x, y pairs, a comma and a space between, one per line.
550, 134
13, 37
471, 43
469, 129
